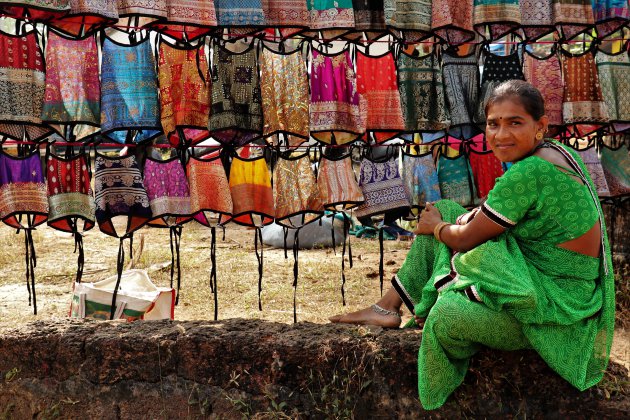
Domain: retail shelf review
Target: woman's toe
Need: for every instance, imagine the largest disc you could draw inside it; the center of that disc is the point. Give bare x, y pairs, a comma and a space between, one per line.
335, 318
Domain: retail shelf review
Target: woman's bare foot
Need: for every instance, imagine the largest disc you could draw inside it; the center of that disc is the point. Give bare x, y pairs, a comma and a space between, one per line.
373, 315
335, 318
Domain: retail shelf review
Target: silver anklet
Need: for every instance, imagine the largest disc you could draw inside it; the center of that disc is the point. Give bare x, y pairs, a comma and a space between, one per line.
382, 311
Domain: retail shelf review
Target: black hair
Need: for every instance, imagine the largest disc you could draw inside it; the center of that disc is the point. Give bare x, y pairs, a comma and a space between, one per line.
524, 92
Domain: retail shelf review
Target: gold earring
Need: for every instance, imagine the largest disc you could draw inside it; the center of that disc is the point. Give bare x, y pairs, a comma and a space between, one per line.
539, 136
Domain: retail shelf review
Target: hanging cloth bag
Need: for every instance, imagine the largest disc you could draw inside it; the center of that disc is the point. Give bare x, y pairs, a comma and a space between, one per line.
23, 204
119, 192
70, 198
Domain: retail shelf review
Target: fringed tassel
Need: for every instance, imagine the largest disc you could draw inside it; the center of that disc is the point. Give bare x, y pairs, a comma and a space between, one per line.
178, 239
172, 245
213, 239
78, 245
296, 248
343, 263
27, 264
213, 271
259, 257
285, 231
120, 265
346, 227
176, 235
380, 261
31, 263
332, 233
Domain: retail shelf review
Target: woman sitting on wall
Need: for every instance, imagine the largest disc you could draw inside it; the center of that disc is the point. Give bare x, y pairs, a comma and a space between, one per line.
530, 268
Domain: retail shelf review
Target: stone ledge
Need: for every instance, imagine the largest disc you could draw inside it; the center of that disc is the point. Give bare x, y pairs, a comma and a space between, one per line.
240, 368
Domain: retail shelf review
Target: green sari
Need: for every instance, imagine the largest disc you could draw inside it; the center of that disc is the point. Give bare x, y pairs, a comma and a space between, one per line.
518, 290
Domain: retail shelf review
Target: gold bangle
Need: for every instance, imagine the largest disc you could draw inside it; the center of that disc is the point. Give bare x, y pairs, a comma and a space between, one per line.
438, 230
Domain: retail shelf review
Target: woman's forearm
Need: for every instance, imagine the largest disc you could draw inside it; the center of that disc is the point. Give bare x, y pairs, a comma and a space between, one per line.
463, 238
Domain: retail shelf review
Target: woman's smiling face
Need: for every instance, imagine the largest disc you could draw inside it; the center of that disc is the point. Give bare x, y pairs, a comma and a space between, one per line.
511, 130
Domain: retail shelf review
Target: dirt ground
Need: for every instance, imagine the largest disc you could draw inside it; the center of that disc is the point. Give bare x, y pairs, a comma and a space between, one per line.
318, 292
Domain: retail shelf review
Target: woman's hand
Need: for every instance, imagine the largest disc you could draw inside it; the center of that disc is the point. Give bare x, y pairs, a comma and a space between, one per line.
466, 218
429, 218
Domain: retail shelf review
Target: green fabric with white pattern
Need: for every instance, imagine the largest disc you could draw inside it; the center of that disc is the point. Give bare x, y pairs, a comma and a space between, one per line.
532, 292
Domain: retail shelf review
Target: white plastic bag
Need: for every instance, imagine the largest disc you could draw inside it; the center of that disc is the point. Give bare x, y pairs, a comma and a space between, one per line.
137, 298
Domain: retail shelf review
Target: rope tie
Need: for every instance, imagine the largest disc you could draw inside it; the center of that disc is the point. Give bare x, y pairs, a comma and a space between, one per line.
296, 247
259, 257
120, 263
213, 271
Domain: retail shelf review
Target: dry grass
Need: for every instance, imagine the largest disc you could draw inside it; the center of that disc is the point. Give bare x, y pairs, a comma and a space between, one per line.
319, 279
622, 287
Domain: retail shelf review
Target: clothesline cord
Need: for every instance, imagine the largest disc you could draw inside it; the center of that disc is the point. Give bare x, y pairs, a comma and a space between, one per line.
260, 33
220, 146
216, 146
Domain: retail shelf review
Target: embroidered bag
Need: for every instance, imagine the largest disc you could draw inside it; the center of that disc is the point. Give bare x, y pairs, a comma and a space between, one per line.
456, 180
614, 77
148, 9
285, 101
382, 187
129, 92
408, 14
22, 86
252, 198
420, 179
35, 10
536, 18
461, 83
252, 195
496, 70
187, 20
499, 17
169, 199
595, 170
70, 198
73, 88
452, 20
486, 168
119, 191
422, 92
286, 13
236, 111
326, 14
337, 182
583, 104
572, 17
23, 204
616, 164
209, 189
295, 191
239, 12
545, 74
184, 81
86, 16
337, 113
377, 83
